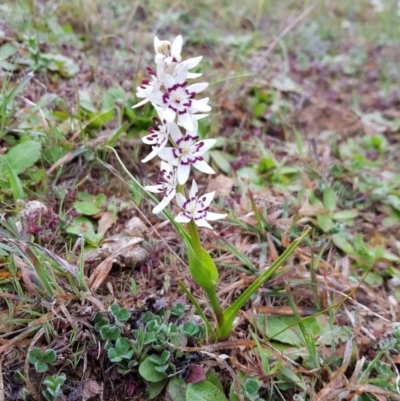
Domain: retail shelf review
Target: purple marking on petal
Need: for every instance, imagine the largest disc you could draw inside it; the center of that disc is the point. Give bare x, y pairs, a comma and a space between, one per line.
151, 71
182, 112
172, 108
176, 153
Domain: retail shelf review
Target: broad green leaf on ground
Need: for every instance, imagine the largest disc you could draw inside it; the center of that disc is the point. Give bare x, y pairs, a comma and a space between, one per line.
329, 199
21, 157
204, 391
340, 240
325, 223
6, 51
279, 328
83, 226
176, 389
344, 215
86, 208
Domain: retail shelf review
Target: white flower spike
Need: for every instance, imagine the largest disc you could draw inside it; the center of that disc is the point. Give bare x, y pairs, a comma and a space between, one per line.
196, 208
187, 153
168, 186
159, 135
179, 99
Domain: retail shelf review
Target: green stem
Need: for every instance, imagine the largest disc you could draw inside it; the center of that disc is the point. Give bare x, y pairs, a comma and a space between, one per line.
194, 233
212, 294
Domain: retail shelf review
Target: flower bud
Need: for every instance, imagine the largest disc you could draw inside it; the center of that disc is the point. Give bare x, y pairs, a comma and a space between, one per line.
164, 47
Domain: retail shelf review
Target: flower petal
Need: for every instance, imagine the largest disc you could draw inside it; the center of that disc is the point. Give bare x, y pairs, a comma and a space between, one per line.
175, 132
156, 97
185, 121
202, 166
180, 200
168, 80
201, 106
165, 201
183, 173
159, 110
202, 223
182, 218
169, 114
151, 155
165, 167
141, 103
193, 190
215, 216
192, 62
156, 43
176, 48
201, 147
169, 155
154, 188
206, 199
193, 75
197, 88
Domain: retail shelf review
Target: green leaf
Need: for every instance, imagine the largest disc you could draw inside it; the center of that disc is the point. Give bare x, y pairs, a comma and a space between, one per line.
329, 199
293, 377
86, 208
6, 51
324, 222
114, 356
147, 370
213, 378
394, 201
221, 160
85, 101
15, 182
176, 389
345, 215
122, 345
35, 355
340, 240
21, 157
41, 366
155, 388
231, 312
204, 391
83, 226
251, 386
49, 356
123, 314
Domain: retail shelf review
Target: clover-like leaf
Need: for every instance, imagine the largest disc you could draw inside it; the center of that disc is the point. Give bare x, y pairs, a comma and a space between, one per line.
148, 372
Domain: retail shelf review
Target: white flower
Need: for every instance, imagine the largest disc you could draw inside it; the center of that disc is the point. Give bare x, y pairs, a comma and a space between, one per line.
168, 186
188, 152
148, 86
178, 100
168, 55
159, 135
196, 208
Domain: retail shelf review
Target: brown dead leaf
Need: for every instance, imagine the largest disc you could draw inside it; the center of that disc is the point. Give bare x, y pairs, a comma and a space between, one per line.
101, 272
106, 221
221, 184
